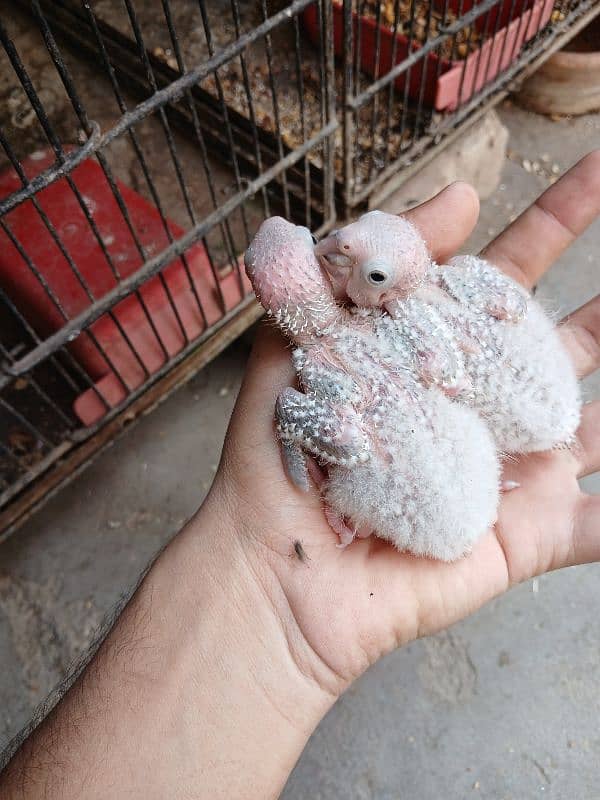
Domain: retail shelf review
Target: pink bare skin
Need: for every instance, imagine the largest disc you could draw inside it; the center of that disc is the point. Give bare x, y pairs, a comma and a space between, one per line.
251, 623
375, 260
381, 260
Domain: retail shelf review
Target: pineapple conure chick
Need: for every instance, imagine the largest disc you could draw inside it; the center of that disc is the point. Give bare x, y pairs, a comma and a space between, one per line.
403, 461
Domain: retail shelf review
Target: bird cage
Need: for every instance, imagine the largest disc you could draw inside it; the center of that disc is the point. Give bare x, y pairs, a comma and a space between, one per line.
413, 74
141, 146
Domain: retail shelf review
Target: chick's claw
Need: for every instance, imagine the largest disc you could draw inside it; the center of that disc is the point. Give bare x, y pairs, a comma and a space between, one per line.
337, 524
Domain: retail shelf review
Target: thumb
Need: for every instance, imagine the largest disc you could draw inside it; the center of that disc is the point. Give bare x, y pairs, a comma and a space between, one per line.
447, 220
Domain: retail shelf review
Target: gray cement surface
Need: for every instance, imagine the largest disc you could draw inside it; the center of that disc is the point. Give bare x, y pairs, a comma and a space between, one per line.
504, 705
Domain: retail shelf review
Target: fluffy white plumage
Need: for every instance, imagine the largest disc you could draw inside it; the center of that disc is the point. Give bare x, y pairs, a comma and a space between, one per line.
404, 461
431, 485
522, 380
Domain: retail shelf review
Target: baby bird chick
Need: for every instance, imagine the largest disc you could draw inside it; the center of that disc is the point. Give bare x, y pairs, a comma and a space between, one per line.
358, 259
403, 461
506, 355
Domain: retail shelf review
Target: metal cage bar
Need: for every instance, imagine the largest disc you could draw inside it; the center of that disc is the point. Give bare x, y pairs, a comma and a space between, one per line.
186, 96
307, 108
428, 128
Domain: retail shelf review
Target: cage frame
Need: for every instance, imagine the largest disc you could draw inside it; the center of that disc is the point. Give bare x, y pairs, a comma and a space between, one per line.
65, 458
338, 200
452, 125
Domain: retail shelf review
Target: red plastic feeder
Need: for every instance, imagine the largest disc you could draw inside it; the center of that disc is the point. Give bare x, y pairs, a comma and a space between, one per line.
27, 292
447, 90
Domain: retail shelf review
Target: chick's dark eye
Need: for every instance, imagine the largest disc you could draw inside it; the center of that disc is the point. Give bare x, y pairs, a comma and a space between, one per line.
376, 277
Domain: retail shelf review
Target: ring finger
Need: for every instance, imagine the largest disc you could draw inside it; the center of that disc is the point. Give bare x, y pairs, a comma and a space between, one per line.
588, 435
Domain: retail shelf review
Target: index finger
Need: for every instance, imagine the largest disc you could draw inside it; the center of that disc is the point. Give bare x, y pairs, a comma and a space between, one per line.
528, 247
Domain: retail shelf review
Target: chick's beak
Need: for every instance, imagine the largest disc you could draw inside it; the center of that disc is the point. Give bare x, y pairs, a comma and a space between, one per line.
334, 263
327, 246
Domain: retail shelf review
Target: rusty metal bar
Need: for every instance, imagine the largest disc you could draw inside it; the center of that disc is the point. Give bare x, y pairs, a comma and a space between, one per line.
73, 328
453, 125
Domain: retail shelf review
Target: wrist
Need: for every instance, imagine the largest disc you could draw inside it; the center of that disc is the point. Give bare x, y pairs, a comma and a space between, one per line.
195, 692
252, 667
224, 540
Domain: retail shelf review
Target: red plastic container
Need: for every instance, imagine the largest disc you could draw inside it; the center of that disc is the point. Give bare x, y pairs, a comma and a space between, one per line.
444, 91
62, 208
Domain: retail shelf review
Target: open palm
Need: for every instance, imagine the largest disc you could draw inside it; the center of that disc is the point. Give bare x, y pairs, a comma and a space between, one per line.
349, 607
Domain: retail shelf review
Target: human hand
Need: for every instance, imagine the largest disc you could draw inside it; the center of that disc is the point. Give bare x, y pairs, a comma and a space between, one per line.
251, 622
343, 609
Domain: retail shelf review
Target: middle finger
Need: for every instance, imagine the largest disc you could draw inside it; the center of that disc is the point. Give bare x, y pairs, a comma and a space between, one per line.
588, 435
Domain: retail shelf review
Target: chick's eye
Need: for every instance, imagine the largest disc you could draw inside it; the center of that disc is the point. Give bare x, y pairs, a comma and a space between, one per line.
376, 277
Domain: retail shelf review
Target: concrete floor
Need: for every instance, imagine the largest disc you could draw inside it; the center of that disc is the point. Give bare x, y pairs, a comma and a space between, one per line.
504, 705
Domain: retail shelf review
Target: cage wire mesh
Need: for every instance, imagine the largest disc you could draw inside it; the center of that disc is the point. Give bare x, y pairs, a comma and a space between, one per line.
142, 144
